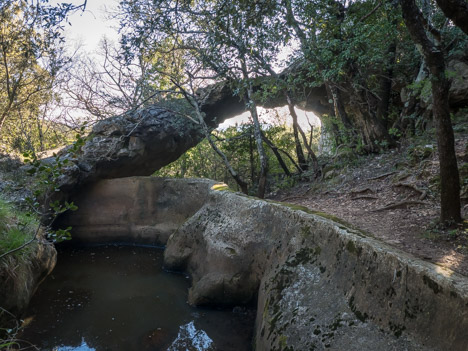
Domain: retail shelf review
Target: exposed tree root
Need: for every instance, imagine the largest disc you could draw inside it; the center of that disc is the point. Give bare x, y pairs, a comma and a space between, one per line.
365, 197
361, 191
402, 204
422, 193
382, 175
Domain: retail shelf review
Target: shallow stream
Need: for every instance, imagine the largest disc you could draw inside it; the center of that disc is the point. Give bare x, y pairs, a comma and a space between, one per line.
120, 298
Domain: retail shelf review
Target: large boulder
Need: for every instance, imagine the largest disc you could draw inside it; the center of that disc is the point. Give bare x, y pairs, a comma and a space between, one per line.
318, 284
141, 141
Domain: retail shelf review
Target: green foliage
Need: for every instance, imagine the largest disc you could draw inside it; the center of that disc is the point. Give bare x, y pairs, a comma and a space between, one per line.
47, 183
16, 227
238, 144
31, 58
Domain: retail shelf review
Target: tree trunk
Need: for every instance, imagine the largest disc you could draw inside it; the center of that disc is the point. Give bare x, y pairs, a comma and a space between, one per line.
449, 176
204, 127
277, 154
338, 107
261, 151
299, 152
251, 157
385, 88
262, 179
310, 152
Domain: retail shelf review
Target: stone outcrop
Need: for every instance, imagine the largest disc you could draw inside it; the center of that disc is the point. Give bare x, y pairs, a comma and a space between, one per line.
18, 284
140, 142
137, 143
317, 283
320, 284
458, 69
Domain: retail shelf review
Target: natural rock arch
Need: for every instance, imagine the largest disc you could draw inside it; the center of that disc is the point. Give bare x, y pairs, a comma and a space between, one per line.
140, 142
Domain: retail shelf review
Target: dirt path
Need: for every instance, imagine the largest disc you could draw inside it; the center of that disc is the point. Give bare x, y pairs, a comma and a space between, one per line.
393, 201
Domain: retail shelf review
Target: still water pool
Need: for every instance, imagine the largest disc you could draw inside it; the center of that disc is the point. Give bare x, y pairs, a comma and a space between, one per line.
120, 298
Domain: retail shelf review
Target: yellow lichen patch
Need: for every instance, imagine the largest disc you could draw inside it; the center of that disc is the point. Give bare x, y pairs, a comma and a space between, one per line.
220, 187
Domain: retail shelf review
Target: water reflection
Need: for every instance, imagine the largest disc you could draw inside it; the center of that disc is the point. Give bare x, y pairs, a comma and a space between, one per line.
189, 338
83, 347
119, 298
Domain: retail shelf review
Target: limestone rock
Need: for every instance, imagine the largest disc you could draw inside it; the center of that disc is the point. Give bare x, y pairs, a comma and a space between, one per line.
320, 285
224, 251
142, 141
134, 209
137, 143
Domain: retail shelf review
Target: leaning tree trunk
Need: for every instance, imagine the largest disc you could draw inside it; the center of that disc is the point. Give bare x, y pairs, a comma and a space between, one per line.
238, 179
262, 178
449, 176
274, 148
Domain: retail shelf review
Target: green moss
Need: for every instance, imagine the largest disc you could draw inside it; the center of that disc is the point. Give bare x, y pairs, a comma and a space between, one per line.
231, 251
291, 206
336, 324
304, 255
305, 231
351, 247
273, 321
282, 341
344, 225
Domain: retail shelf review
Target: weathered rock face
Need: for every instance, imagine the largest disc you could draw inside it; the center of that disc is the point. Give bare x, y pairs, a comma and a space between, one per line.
459, 89
19, 285
135, 209
134, 144
225, 252
318, 284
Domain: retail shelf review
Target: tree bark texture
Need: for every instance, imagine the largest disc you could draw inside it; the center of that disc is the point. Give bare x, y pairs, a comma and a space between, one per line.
434, 57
